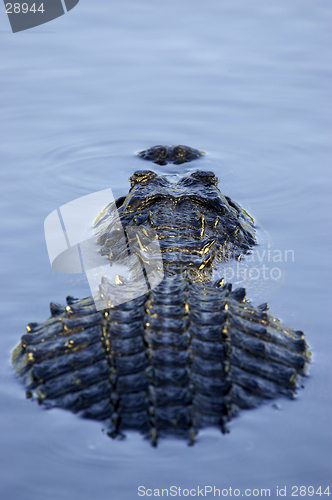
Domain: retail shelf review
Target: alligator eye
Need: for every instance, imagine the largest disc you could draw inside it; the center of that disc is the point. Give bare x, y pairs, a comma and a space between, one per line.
184, 154
141, 176
207, 177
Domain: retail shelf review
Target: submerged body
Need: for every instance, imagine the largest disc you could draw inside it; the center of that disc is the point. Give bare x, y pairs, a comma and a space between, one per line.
189, 353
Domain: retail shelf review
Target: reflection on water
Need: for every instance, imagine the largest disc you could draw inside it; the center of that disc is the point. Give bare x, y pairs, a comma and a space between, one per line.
248, 84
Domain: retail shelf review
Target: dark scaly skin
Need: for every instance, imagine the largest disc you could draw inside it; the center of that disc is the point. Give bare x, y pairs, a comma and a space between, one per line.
161, 155
190, 353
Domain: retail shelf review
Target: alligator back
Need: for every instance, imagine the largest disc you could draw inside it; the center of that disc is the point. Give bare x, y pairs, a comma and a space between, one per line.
187, 354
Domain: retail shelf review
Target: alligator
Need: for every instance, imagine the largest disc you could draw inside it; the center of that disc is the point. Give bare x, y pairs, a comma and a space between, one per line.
186, 354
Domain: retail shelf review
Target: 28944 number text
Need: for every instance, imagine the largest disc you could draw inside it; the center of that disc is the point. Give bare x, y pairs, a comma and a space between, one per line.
17, 8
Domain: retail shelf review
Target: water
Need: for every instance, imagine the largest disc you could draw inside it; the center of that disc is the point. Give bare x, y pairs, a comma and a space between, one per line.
247, 82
